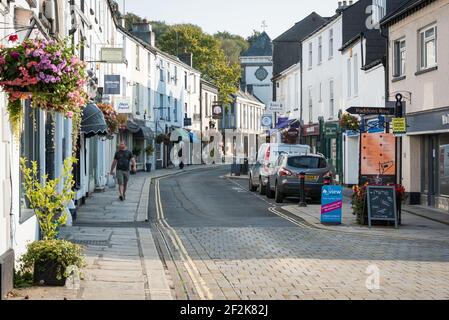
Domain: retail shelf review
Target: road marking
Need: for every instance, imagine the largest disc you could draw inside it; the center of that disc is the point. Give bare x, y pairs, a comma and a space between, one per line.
198, 281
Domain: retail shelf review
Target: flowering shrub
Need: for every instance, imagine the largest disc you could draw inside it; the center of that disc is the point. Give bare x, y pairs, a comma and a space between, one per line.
45, 71
349, 122
110, 115
359, 199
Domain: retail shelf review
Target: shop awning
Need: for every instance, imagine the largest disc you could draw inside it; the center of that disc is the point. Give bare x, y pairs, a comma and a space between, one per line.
138, 128
176, 134
93, 122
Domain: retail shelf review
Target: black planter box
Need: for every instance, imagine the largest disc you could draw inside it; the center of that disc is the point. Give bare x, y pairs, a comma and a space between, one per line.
45, 273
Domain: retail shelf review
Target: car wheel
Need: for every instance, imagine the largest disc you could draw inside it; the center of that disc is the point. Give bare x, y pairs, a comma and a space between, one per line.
252, 188
262, 188
270, 193
278, 196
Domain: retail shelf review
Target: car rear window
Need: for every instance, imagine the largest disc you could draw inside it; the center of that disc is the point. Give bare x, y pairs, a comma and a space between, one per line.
306, 162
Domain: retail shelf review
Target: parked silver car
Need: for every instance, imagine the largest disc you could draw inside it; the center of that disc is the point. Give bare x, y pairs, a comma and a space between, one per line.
285, 181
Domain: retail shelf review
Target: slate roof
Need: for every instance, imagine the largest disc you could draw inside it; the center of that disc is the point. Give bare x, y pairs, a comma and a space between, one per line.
405, 9
247, 96
302, 28
261, 47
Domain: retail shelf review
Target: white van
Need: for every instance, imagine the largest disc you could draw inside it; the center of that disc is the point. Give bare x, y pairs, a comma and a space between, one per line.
266, 158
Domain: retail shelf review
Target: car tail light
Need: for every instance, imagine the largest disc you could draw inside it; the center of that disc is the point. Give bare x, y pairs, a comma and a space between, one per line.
267, 154
285, 172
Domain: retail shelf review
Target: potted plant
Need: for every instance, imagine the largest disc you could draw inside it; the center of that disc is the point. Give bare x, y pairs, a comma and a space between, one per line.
149, 150
49, 261
163, 138
137, 152
48, 258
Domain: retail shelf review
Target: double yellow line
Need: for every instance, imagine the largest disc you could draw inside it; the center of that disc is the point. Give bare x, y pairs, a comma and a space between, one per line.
198, 282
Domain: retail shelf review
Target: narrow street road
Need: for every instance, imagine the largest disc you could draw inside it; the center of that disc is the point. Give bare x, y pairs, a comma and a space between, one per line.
220, 241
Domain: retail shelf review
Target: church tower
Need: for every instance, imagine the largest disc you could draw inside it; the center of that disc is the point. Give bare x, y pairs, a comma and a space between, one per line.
257, 68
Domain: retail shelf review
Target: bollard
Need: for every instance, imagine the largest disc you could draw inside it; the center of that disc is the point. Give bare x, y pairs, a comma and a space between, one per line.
302, 200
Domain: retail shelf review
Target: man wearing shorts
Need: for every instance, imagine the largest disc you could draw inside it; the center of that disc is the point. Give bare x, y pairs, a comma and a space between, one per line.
122, 160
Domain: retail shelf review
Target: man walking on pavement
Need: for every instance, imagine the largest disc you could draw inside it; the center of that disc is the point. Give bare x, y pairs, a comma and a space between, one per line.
122, 160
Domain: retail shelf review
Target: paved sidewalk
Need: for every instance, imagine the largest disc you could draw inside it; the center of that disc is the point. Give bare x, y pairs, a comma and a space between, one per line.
413, 226
122, 259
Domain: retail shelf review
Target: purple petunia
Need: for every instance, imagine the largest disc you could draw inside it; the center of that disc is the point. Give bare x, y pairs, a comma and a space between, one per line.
15, 55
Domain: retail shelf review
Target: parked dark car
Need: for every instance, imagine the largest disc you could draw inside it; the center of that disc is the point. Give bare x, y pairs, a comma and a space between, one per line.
266, 159
285, 182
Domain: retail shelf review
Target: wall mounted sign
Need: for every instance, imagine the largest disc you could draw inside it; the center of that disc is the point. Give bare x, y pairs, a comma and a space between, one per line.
276, 107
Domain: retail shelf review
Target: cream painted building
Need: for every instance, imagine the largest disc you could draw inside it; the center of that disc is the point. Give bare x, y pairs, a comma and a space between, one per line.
418, 69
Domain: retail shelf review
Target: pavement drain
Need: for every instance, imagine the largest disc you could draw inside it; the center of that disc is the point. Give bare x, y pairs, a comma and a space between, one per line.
102, 243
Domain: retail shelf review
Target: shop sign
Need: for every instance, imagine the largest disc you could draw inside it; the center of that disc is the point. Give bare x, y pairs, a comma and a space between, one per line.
217, 112
112, 84
311, 130
112, 55
276, 107
123, 105
330, 129
331, 204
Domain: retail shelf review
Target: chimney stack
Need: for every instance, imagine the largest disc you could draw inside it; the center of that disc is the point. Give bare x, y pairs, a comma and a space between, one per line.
144, 32
187, 58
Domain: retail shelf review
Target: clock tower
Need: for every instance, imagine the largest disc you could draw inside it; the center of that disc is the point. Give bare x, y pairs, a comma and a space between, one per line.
257, 68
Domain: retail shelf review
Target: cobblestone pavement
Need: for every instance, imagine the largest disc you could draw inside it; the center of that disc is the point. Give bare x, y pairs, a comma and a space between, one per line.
243, 251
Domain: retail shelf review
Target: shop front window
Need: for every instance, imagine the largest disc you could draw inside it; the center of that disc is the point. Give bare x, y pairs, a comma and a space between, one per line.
444, 165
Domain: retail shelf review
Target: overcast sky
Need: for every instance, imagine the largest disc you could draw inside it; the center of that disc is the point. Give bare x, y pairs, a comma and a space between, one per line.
236, 16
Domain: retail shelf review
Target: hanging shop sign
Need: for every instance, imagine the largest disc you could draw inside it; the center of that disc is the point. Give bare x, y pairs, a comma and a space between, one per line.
123, 105
112, 84
112, 55
217, 112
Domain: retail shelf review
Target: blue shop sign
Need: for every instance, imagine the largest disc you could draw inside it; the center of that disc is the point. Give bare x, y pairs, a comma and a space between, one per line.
331, 204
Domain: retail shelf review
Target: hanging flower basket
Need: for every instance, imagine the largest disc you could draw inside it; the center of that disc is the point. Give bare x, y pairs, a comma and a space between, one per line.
349, 122
48, 73
110, 115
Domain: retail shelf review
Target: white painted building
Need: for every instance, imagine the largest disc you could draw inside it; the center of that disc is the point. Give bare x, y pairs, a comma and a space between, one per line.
289, 91
322, 73
363, 85
242, 127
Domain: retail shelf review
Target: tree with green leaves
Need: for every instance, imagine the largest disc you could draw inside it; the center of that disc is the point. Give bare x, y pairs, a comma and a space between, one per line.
208, 56
232, 45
